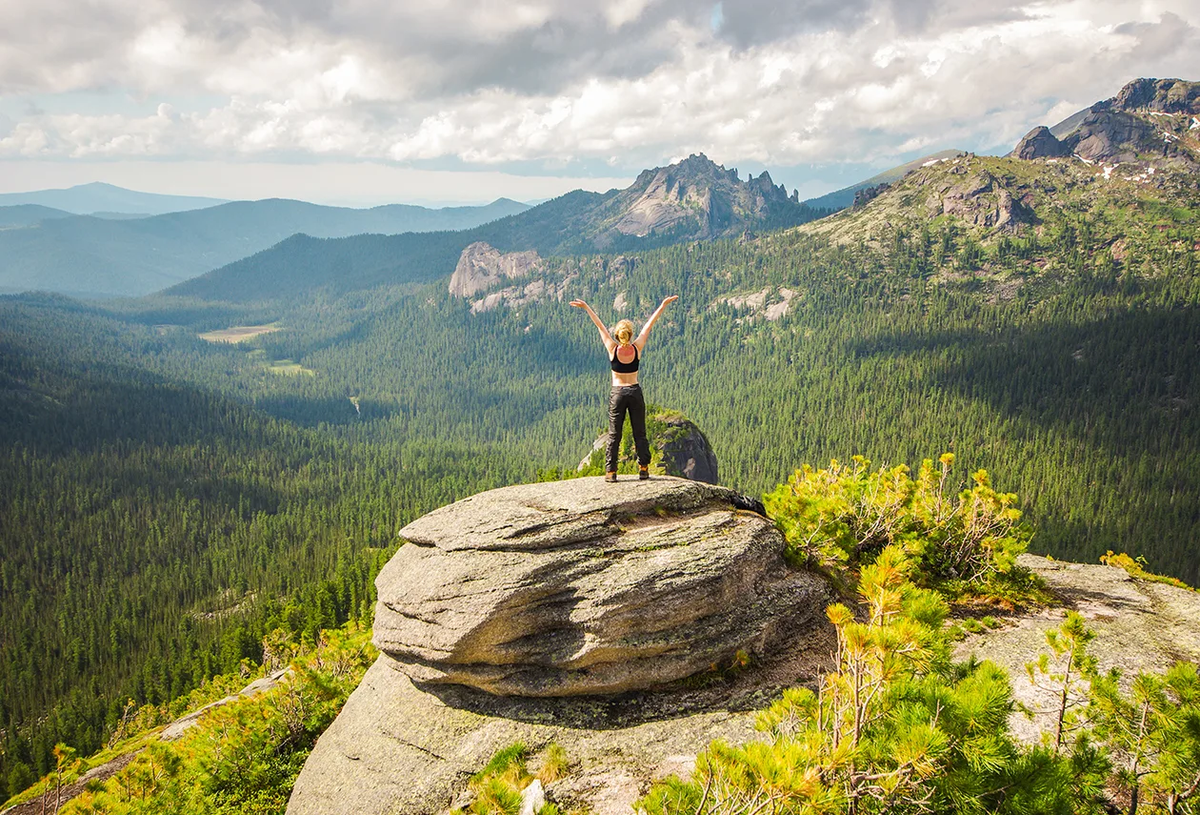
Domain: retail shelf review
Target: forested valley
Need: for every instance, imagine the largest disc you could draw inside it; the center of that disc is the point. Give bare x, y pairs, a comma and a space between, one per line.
167, 502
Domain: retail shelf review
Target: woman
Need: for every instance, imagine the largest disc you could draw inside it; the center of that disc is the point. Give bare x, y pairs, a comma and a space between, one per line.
624, 356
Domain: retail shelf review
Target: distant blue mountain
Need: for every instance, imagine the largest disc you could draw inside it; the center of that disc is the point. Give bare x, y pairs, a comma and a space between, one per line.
88, 199
83, 254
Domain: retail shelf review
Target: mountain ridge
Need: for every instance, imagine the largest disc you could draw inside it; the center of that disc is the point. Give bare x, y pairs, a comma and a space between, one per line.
840, 199
99, 196
137, 256
694, 199
1149, 120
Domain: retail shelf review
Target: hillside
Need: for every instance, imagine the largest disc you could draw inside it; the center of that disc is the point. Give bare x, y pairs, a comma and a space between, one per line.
1126, 171
85, 254
26, 214
155, 531
840, 199
694, 199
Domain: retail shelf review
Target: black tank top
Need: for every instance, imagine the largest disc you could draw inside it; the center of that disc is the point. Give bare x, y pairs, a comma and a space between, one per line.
625, 367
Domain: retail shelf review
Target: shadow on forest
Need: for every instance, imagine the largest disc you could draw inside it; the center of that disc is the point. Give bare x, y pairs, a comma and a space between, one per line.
1129, 382
1124, 387
67, 412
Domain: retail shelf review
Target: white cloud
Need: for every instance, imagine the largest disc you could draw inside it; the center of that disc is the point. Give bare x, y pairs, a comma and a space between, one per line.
24, 140
627, 82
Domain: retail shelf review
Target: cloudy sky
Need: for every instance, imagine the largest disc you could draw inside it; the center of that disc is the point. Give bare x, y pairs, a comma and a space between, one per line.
366, 101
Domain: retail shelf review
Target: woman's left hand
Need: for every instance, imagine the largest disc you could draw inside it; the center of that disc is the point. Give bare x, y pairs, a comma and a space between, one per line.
671, 299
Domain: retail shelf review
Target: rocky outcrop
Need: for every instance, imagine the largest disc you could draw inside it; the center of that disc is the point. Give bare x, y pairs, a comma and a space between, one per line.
1115, 137
1159, 96
981, 200
760, 302
535, 291
865, 195
683, 449
686, 451
583, 587
585, 604
1139, 625
480, 266
1040, 143
1145, 122
405, 747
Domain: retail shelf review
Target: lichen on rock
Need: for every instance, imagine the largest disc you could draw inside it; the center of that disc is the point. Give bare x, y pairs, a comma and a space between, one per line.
678, 447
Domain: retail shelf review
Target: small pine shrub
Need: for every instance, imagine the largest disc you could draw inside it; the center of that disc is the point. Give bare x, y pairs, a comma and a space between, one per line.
841, 518
1136, 567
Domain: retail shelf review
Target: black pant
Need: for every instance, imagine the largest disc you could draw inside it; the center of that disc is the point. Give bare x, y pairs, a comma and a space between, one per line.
621, 400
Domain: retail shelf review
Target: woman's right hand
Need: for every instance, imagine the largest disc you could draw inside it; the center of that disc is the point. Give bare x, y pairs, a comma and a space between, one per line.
579, 304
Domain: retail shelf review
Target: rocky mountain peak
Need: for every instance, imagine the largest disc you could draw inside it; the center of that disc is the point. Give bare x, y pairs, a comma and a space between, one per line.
1158, 96
1151, 121
700, 196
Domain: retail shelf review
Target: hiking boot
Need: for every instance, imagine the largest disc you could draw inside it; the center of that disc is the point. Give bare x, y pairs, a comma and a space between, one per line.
611, 478
643, 473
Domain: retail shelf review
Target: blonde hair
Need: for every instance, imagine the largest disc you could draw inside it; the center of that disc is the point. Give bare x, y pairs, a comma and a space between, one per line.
623, 332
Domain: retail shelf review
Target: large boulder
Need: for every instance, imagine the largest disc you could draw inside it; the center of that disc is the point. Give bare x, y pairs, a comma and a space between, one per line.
585, 604
682, 447
585, 587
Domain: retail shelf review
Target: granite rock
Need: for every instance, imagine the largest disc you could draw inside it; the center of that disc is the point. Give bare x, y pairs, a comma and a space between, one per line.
583, 587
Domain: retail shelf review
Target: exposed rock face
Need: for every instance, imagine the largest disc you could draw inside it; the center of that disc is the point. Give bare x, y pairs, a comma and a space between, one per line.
1114, 136
1139, 625
583, 587
480, 266
686, 451
1040, 143
562, 588
981, 200
699, 198
759, 302
1160, 96
514, 296
665, 202
1144, 122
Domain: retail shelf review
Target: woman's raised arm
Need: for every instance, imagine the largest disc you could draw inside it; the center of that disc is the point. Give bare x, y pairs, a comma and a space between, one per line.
605, 337
640, 342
